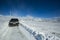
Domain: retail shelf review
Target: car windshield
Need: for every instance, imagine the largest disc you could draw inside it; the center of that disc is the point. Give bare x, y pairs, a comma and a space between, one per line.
13, 20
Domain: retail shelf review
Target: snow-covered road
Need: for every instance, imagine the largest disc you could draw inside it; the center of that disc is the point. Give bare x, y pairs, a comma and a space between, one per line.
29, 30
14, 33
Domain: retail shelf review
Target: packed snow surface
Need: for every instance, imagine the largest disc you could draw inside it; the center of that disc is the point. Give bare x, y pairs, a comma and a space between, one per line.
29, 29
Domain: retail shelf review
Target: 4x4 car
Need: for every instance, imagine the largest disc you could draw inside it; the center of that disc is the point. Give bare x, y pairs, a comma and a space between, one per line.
14, 22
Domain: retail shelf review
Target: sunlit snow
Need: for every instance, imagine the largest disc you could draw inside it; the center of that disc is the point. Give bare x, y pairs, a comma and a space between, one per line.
30, 28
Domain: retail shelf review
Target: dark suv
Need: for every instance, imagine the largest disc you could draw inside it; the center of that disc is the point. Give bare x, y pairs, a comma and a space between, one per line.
14, 22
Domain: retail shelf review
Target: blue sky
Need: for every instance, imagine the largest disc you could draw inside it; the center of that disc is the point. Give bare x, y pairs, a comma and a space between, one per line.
36, 8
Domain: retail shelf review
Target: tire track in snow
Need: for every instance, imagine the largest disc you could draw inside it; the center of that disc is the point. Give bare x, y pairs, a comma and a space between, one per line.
6, 35
33, 33
26, 33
